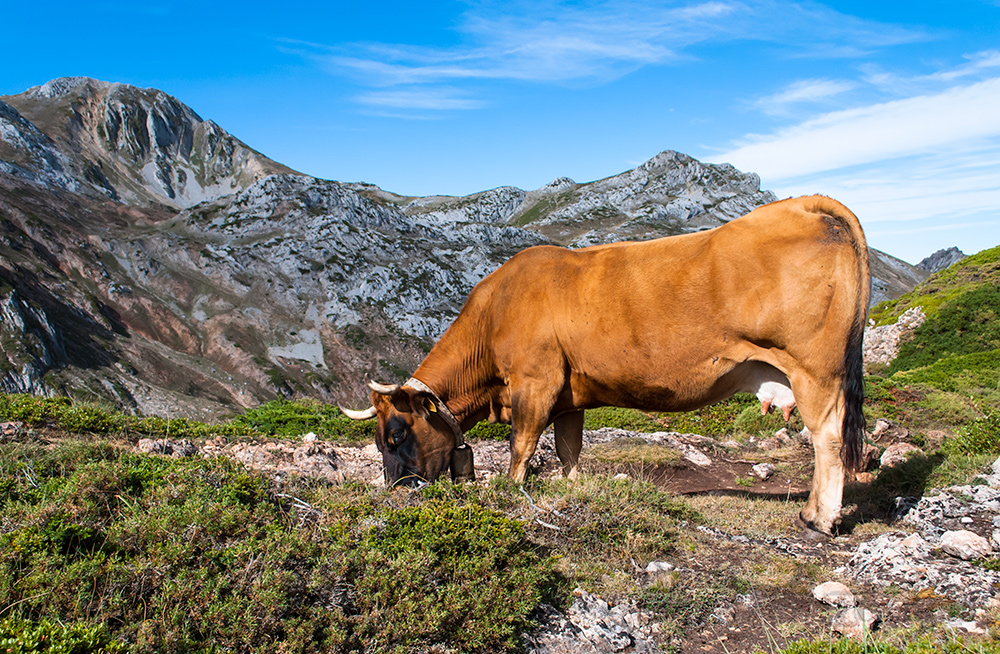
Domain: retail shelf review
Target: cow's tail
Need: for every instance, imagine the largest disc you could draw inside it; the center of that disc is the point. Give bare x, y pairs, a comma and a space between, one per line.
853, 428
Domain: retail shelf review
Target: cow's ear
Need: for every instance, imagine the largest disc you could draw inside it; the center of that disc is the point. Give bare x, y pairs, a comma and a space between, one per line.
424, 405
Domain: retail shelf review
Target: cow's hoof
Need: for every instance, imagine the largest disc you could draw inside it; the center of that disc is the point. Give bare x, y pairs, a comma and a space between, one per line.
810, 530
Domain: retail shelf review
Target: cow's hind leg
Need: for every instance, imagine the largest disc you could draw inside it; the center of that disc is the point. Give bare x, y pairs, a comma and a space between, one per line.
569, 441
822, 409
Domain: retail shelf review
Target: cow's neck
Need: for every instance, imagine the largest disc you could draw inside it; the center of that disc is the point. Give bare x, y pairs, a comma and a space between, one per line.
461, 373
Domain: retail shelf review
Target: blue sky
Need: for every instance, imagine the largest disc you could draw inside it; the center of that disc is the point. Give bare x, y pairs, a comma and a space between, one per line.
891, 107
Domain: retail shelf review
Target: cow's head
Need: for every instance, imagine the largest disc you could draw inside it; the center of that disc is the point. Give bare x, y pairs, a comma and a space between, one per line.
416, 440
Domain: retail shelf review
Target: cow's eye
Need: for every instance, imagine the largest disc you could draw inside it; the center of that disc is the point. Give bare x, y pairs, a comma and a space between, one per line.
397, 436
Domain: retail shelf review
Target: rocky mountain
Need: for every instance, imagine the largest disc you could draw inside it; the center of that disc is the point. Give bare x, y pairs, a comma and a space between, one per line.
941, 259
138, 146
149, 259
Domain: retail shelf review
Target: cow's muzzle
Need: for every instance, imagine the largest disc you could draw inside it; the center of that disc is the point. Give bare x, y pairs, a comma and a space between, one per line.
462, 468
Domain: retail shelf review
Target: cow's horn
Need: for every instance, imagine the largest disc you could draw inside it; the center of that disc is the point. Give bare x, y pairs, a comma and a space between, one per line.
367, 414
383, 389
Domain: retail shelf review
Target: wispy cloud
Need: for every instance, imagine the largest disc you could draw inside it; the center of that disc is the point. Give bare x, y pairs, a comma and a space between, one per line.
803, 92
554, 42
976, 65
873, 133
437, 99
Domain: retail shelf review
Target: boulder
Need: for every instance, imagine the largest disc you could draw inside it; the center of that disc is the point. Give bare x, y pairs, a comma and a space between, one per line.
763, 471
834, 593
854, 623
965, 545
898, 454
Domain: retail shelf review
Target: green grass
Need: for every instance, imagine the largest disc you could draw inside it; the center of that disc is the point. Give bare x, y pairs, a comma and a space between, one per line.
619, 418
945, 644
966, 324
279, 418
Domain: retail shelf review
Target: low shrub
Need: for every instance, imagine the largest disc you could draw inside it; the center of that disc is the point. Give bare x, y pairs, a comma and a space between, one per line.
489, 431
294, 418
19, 636
189, 555
714, 420
980, 436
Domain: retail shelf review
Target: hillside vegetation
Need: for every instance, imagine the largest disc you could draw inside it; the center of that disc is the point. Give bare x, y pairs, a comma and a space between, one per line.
103, 549
951, 365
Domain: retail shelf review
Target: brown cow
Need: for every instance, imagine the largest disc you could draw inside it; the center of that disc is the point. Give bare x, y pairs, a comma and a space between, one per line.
772, 303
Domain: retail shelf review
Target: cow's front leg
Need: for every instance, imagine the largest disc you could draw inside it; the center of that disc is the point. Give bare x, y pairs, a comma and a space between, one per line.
569, 442
531, 406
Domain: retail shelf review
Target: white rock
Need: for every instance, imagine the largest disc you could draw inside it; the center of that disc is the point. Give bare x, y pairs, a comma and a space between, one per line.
881, 426
834, 593
897, 454
659, 566
965, 625
966, 520
697, 457
996, 467
965, 545
309, 438
996, 537
620, 476
763, 470
854, 623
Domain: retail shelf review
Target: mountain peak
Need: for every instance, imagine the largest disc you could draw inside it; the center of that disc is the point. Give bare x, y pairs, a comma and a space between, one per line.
64, 86
141, 146
941, 259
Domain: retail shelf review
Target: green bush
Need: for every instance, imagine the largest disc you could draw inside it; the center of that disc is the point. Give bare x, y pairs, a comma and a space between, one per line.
981, 436
489, 431
715, 420
277, 418
46, 635
186, 555
443, 572
966, 324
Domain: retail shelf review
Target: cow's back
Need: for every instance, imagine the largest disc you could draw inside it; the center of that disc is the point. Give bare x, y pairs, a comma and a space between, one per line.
662, 318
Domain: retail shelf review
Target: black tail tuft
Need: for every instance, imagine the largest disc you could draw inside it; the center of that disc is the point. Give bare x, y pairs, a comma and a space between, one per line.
854, 396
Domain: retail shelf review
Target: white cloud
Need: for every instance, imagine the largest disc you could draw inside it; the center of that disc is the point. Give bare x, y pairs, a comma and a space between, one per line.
422, 98
803, 91
875, 133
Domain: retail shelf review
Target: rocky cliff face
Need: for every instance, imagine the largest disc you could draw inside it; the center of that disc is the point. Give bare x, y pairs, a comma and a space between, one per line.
151, 259
140, 146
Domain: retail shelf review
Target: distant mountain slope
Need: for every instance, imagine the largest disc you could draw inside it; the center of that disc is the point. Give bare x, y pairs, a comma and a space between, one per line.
152, 260
671, 193
941, 259
141, 146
